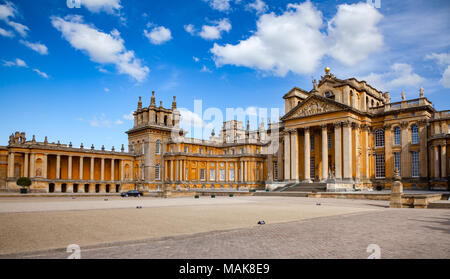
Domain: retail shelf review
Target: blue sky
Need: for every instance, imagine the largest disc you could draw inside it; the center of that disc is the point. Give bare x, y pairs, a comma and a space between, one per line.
75, 74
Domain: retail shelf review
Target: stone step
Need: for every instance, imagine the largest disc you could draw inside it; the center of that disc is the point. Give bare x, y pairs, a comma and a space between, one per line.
440, 204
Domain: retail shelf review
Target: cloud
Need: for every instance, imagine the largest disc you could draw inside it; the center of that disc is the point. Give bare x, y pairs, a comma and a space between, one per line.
259, 6
118, 122
38, 47
445, 80
158, 35
441, 58
289, 42
190, 29
196, 59
191, 119
18, 63
101, 47
42, 74
293, 41
213, 32
205, 69
7, 11
103, 122
106, 89
220, 5
95, 6
353, 33
6, 33
400, 75
128, 116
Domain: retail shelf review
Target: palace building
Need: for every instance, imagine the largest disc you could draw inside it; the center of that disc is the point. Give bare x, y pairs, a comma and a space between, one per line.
343, 135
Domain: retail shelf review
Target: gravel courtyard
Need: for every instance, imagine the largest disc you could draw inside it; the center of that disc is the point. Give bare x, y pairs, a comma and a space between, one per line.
223, 227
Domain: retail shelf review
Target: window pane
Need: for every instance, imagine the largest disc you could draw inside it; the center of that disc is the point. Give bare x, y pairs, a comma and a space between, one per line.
415, 163
379, 166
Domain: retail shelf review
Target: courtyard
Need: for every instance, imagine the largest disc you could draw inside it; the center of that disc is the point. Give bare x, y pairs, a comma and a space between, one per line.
223, 227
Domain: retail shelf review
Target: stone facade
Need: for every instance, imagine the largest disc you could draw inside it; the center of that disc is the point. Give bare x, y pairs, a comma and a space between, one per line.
344, 133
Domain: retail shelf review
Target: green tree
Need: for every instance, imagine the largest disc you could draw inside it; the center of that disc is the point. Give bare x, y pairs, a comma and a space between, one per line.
24, 182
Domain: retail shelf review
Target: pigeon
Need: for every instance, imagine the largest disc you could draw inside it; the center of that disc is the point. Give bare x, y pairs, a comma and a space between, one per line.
261, 223
318, 203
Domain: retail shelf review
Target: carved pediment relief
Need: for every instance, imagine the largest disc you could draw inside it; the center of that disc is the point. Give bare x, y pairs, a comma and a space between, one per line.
313, 107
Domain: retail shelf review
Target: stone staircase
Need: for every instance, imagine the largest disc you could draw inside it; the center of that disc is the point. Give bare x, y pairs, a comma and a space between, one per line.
304, 187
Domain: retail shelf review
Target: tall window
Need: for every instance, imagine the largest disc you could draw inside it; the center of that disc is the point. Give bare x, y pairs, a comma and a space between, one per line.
379, 138
157, 172
414, 134
202, 174
231, 174
222, 175
379, 166
201, 151
397, 136
212, 175
158, 147
186, 149
398, 162
415, 163
312, 166
275, 170
329, 141
311, 141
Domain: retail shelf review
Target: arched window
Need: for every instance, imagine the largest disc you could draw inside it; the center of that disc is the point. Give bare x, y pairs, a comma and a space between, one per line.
379, 138
397, 136
414, 134
157, 176
158, 147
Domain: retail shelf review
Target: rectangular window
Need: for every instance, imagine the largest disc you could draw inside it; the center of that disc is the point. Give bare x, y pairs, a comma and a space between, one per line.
398, 162
329, 141
185, 149
379, 166
231, 174
201, 151
311, 141
397, 136
312, 171
415, 163
222, 175
242, 150
202, 174
212, 175
157, 172
275, 170
186, 174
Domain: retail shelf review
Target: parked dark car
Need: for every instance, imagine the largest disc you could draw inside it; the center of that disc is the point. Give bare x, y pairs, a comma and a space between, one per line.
132, 193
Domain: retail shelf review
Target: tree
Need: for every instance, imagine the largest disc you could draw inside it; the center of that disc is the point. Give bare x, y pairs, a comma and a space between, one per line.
24, 182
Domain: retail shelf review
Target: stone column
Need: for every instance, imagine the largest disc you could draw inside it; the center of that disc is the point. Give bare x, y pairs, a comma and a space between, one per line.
81, 168
279, 161
235, 172
177, 169
396, 193
122, 170
32, 165
367, 151
443, 161
226, 172
241, 171
58, 166
287, 155
112, 170
25, 167
69, 171
423, 153
358, 153
324, 152
11, 164
307, 158
92, 168
436, 161
217, 171
347, 150
337, 150
45, 166
294, 155
102, 170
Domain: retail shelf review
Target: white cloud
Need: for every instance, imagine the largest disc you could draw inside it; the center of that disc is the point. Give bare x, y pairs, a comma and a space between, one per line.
6, 33
205, 69
158, 35
445, 80
42, 74
95, 6
106, 89
353, 33
441, 58
401, 75
289, 42
220, 5
128, 116
213, 32
38, 47
259, 6
191, 119
190, 29
18, 63
118, 122
103, 122
196, 59
293, 41
101, 47
7, 11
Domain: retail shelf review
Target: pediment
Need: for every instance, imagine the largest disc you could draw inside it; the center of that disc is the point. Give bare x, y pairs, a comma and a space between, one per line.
312, 106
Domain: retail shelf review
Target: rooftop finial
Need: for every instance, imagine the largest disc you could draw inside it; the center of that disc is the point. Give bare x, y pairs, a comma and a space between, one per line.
152, 99
403, 96
327, 70
421, 91
174, 103
140, 103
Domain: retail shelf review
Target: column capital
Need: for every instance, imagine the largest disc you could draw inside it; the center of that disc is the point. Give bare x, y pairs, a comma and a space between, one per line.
356, 125
404, 124
307, 129
337, 124
422, 122
365, 127
347, 123
388, 126
324, 126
